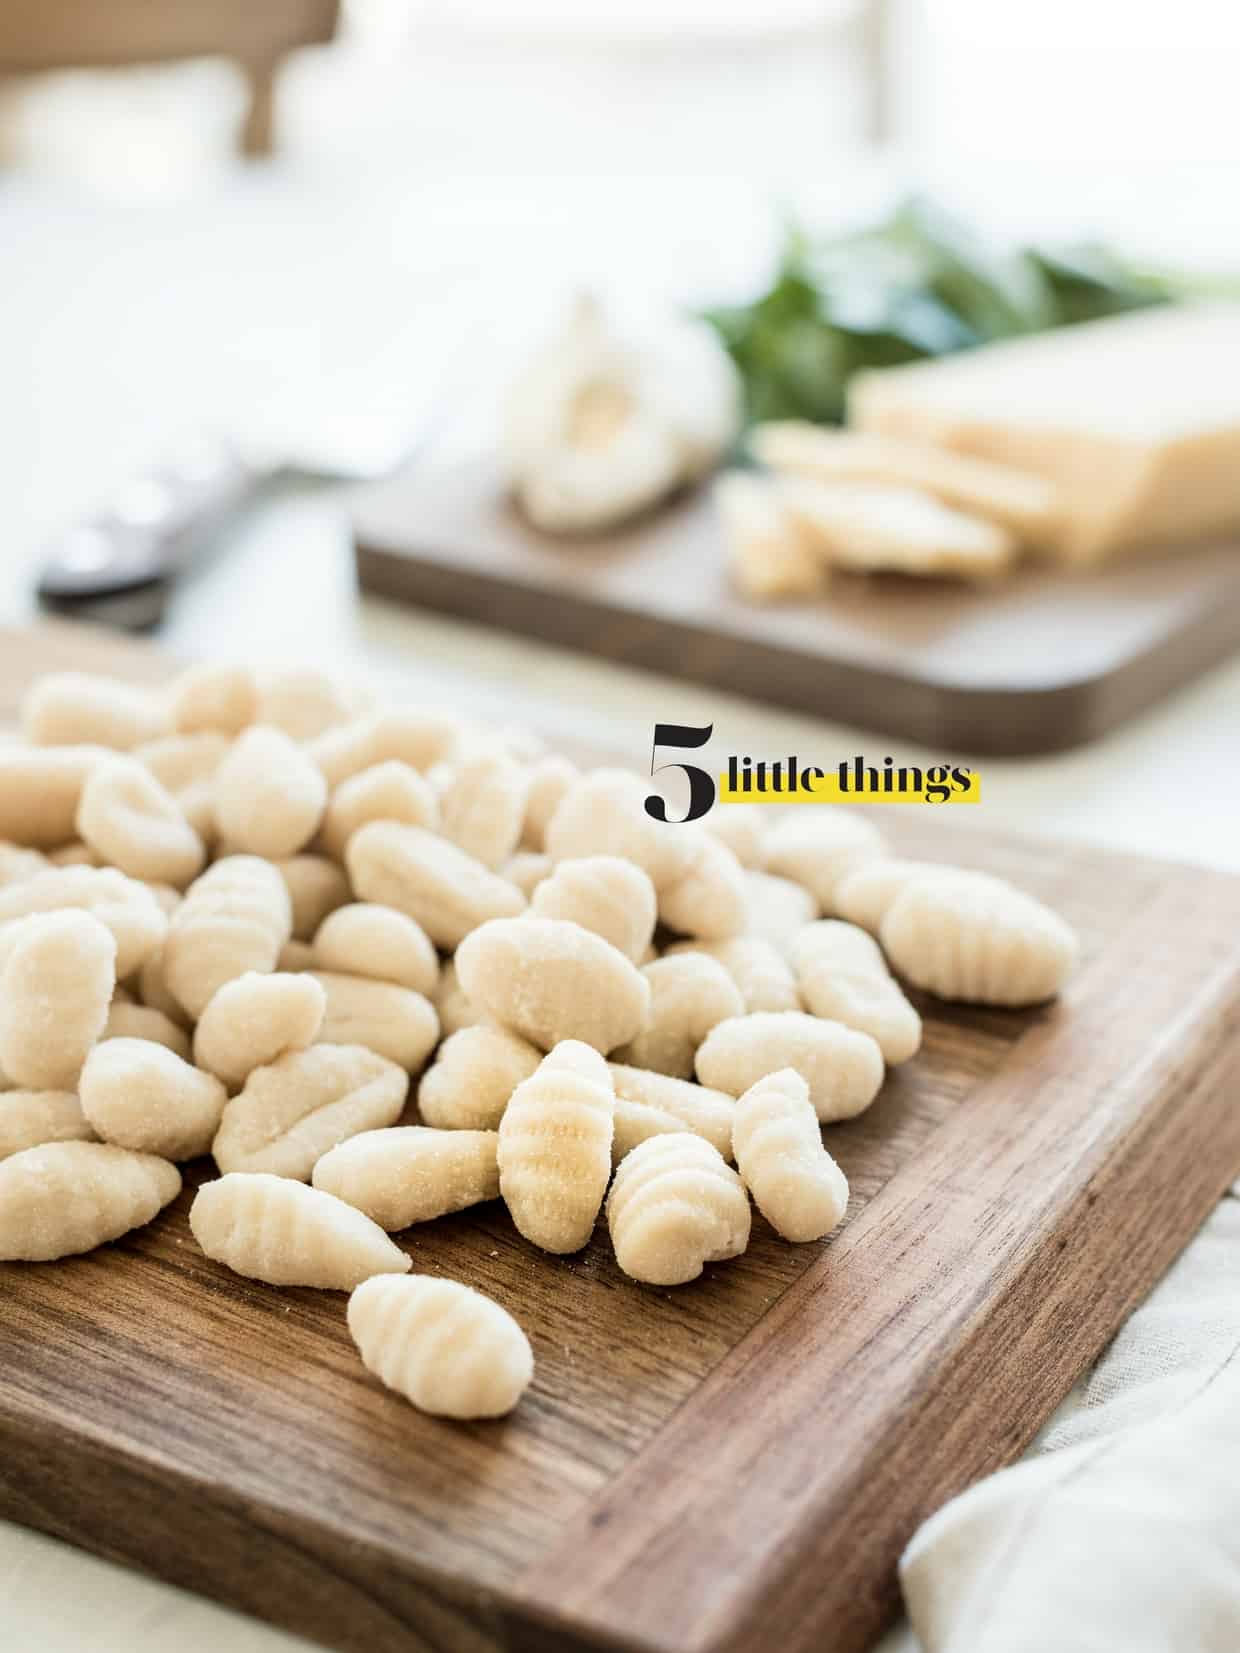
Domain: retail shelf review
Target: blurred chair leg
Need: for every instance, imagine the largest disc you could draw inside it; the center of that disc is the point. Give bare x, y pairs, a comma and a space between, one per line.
257, 135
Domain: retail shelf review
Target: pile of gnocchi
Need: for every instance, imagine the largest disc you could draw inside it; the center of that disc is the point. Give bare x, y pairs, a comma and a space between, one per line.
241, 915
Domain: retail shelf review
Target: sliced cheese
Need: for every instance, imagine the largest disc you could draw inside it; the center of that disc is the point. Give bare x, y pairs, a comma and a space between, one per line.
868, 528
1025, 504
1136, 421
768, 555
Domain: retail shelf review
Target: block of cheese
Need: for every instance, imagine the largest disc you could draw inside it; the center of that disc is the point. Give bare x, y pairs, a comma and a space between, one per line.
1135, 419
1026, 505
768, 554
869, 528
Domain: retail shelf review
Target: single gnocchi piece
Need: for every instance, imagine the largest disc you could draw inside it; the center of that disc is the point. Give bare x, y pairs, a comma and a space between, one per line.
689, 994
676, 1205
604, 813
304, 702
411, 1173
843, 977
125, 908
446, 1348
363, 939
142, 1096
547, 783
650, 1104
482, 807
63, 1198
218, 699
419, 739
473, 1076
139, 1021
554, 1150
759, 971
614, 898
234, 919
286, 1234
57, 973
30, 1118
776, 908
433, 882
976, 939
269, 795
82, 709
316, 887
390, 1020
129, 819
550, 980
290, 1113
819, 848
40, 789
256, 1019
710, 900
391, 791
777, 1145
843, 1068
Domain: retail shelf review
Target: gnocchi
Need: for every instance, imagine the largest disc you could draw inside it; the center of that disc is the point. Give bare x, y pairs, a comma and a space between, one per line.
842, 1068
362, 939
843, 977
391, 791
818, 848
419, 739
269, 1228
40, 789
288, 1114
255, 1019
689, 994
185, 766
548, 780
390, 1020
448, 1349
63, 1198
976, 939
776, 908
234, 919
451, 1004
777, 1145
57, 973
126, 908
411, 1173
550, 980
482, 807
651, 1104
128, 818
139, 1021
527, 869
303, 702
30, 1118
81, 709
433, 882
469, 1084
141, 1095
602, 893
316, 888
554, 1150
759, 971
674, 1206
269, 795
710, 899
603, 813
214, 699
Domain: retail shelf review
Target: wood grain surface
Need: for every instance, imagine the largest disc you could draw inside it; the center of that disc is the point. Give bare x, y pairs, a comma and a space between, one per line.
1037, 663
733, 1465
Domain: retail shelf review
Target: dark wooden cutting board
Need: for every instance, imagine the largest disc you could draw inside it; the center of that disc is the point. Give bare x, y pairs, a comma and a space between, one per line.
731, 1467
1037, 663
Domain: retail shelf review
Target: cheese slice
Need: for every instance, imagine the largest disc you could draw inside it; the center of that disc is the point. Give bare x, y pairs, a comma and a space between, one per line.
1135, 420
768, 555
1027, 505
867, 528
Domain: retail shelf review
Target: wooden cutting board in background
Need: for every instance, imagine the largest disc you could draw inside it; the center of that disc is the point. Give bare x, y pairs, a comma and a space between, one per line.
1034, 664
731, 1467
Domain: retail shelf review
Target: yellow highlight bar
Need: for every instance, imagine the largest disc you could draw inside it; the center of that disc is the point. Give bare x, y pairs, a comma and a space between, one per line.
939, 786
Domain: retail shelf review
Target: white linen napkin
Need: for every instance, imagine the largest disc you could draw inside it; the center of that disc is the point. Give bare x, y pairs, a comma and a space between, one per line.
1120, 1531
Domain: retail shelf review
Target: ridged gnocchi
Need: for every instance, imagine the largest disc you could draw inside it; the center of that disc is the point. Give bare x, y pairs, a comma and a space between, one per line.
217, 698
978, 940
760, 972
448, 1349
843, 1068
270, 1228
411, 1173
777, 1145
63, 1198
234, 919
550, 980
122, 905
603, 813
482, 806
390, 1020
709, 900
674, 1206
554, 1149
391, 791
129, 819
843, 977
255, 1019
316, 887
269, 795
651, 1104
84, 709
419, 739
57, 973
363, 939
473, 1076
689, 994
290, 1113
818, 848
602, 893
444, 890
142, 1096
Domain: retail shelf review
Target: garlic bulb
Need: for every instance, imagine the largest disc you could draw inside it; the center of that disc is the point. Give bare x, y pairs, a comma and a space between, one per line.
605, 423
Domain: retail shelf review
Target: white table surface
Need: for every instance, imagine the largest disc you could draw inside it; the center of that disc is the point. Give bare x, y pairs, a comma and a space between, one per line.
120, 328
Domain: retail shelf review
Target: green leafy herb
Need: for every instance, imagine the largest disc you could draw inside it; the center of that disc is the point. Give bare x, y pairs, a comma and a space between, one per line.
919, 284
